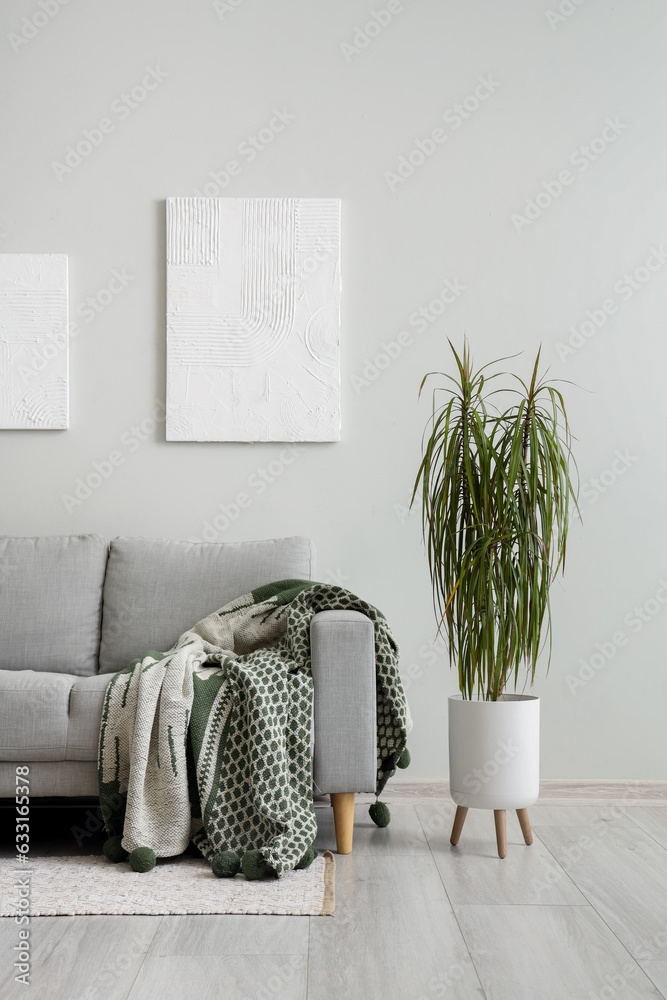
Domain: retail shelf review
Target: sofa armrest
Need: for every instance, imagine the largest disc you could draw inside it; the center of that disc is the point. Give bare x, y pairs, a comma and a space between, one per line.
342, 645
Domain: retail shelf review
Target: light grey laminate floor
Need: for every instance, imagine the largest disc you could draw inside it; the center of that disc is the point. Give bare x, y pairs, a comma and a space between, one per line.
581, 914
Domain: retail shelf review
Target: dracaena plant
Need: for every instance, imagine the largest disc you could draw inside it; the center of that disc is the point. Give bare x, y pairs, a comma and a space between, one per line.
496, 497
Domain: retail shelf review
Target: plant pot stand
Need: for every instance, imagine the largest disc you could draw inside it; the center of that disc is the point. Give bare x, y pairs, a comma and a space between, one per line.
499, 816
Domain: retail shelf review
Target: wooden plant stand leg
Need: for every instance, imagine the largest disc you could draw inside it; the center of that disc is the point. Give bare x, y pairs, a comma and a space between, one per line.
525, 825
499, 816
343, 810
459, 820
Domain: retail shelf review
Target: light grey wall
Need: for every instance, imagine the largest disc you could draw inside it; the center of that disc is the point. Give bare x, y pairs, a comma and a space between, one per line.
553, 81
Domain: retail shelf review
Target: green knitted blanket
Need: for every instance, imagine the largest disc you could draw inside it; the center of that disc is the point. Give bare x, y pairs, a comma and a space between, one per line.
209, 743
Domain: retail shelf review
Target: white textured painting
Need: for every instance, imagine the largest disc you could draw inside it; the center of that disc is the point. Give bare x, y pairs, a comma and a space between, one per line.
253, 292
33, 341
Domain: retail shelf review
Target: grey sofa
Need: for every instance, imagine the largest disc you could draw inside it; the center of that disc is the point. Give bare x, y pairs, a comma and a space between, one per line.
74, 609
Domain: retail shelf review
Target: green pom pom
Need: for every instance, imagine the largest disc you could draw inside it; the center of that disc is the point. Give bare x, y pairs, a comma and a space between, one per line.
113, 850
142, 859
404, 759
253, 865
379, 813
226, 864
307, 859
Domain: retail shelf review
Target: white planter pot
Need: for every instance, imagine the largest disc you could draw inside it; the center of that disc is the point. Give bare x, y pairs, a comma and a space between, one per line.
494, 752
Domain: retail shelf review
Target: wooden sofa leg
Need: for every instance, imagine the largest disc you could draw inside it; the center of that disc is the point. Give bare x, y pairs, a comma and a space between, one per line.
343, 810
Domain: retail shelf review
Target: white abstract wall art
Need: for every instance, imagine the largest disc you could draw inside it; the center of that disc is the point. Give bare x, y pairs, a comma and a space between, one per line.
253, 294
33, 341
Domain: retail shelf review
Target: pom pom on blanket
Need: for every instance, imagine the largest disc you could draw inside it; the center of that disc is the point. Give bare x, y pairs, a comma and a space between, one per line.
253, 865
226, 864
142, 859
113, 850
379, 813
307, 859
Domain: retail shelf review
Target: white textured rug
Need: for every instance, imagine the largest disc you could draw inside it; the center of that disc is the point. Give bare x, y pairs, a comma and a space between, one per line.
91, 884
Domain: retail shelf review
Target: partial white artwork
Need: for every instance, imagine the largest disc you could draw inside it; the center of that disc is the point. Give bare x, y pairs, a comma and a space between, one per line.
33, 341
253, 328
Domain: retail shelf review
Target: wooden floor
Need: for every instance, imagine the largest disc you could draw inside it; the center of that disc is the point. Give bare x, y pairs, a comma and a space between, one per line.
581, 914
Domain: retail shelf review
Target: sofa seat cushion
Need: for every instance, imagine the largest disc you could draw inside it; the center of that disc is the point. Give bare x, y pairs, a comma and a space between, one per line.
49, 716
157, 589
85, 713
51, 603
34, 711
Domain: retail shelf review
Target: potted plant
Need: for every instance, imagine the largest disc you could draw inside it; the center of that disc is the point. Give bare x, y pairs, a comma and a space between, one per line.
496, 498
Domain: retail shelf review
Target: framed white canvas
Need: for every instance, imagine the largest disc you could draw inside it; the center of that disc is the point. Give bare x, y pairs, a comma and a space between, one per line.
33, 341
253, 327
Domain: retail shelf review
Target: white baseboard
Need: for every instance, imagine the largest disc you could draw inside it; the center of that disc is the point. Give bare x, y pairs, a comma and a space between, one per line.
553, 791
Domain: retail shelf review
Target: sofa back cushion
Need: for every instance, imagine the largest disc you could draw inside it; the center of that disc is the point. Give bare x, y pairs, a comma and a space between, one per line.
155, 590
51, 603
